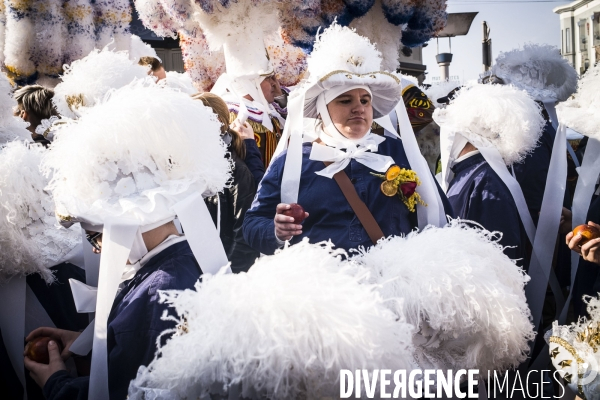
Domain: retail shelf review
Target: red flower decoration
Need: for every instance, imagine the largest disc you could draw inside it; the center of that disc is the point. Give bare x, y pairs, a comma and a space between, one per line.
408, 188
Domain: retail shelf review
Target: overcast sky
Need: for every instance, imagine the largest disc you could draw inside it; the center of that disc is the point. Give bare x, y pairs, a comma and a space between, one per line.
512, 24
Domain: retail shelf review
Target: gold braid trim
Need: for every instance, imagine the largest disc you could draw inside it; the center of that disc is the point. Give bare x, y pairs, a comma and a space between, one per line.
349, 75
580, 361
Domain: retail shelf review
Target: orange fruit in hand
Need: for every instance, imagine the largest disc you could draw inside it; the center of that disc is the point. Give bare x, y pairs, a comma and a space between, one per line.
392, 173
587, 232
389, 189
37, 349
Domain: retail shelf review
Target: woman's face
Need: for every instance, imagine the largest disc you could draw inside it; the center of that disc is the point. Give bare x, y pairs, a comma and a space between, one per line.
352, 113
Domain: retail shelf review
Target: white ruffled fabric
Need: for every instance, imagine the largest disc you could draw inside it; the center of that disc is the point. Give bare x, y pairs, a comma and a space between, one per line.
465, 297
283, 331
30, 240
137, 152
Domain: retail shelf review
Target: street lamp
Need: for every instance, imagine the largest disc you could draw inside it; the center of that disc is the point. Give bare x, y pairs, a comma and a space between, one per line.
458, 25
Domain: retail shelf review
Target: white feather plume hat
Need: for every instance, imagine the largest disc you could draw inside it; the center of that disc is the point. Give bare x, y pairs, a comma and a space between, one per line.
134, 155
580, 112
87, 80
341, 57
538, 69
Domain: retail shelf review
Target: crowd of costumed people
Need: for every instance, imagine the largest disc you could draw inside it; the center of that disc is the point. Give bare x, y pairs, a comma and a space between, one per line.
289, 207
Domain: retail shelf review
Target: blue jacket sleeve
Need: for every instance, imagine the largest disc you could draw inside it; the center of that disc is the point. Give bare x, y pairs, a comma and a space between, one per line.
259, 227
254, 161
61, 386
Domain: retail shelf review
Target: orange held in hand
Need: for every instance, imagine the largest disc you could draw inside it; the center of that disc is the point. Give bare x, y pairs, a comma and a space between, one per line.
297, 212
587, 232
37, 349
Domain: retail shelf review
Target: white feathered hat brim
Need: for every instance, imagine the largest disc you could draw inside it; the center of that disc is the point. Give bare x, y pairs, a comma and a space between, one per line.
385, 87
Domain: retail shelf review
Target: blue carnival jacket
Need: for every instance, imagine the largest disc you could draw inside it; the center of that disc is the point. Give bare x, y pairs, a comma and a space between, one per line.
331, 216
532, 172
134, 323
478, 194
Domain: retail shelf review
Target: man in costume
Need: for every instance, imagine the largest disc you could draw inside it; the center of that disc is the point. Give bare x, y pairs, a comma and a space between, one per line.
34, 106
123, 184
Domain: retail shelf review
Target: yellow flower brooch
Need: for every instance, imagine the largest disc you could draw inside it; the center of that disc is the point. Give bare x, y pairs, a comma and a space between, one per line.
402, 182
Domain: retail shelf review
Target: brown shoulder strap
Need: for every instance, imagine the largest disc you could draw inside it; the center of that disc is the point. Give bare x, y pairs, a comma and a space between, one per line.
359, 207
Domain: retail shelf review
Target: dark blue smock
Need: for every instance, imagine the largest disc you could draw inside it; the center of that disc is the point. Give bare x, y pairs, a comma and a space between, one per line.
254, 161
478, 194
135, 323
331, 217
58, 303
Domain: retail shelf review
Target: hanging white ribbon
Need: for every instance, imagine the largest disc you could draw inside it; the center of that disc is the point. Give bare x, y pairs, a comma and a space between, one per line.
117, 240
293, 131
341, 159
84, 296
202, 234
35, 314
551, 110
12, 323
91, 261
540, 266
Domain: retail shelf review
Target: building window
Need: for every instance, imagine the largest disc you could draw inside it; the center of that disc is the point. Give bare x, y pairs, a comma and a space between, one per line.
568, 41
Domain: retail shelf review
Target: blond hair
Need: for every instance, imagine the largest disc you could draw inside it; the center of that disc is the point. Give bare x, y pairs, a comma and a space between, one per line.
220, 108
36, 100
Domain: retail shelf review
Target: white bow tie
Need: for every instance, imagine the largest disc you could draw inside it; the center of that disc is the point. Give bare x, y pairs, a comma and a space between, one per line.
364, 152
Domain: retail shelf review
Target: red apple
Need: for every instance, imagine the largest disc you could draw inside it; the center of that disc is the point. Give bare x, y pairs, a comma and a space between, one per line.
297, 212
587, 232
37, 349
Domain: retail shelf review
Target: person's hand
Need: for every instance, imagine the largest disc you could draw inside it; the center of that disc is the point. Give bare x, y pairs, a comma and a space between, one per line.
244, 130
589, 251
566, 221
65, 338
285, 228
42, 372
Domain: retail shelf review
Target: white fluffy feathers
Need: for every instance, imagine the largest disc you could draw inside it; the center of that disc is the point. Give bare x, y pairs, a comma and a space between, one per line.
581, 111
11, 127
495, 115
135, 154
87, 80
283, 330
538, 69
466, 296
29, 240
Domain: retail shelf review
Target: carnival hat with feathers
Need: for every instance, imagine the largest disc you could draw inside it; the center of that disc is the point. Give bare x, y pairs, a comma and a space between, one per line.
134, 155
341, 57
281, 331
538, 69
501, 116
30, 240
580, 112
11, 127
87, 80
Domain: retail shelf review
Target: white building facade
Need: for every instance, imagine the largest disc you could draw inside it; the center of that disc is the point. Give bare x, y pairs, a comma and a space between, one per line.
580, 33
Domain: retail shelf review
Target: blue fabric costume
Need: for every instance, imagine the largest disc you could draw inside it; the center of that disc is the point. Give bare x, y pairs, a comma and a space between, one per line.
478, 194
134, 323
331, 216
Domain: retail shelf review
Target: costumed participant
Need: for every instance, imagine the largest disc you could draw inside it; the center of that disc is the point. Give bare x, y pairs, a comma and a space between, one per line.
465, 297
11, 127
170, 79
228, 208
282, 331
116, 172
477, 151
574, 352
34, 106
86, 81
579, 113
37, 259
356, 187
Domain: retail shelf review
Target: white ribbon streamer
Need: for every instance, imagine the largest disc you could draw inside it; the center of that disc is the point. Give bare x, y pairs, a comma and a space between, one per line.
117, 240
83, 344
540, 265
91, 261
84, 296
202, 234
290, 184
35, 314
12, 323
551, 110
341, 159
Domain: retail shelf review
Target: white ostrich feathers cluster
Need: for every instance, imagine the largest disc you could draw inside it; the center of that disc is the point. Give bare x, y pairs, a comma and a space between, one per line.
580, 112
538, 69
135, 154
386, 35
87, 80
178, 81
81, 37
50, 32
2, 30
288, 61
341, 48
29, 240
495, 115
139, 49
112, 19
11, 127
466, 297
281, 331
439, 90
203, 65
154, 16
19, 38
